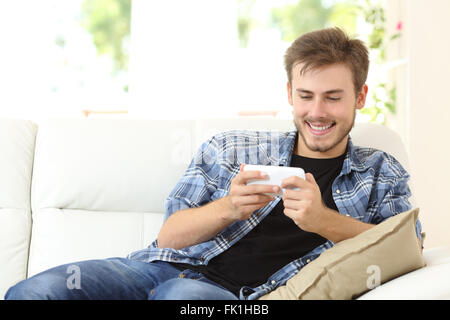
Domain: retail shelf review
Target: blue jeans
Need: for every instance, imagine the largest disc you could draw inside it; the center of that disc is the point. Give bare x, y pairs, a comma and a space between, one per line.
118, 278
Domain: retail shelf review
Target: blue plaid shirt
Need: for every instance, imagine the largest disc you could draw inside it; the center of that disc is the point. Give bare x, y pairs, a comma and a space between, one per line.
371, 187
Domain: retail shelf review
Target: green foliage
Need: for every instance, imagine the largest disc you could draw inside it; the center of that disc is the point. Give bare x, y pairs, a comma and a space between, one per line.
296, 19
307, 15
373, 13
384, 98
384, 101
344, 15
245, 22
109, 23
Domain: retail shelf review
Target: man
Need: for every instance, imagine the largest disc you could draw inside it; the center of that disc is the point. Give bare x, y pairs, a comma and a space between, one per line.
224, 239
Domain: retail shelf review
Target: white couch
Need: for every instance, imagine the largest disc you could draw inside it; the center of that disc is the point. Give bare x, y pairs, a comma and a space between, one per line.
76, 189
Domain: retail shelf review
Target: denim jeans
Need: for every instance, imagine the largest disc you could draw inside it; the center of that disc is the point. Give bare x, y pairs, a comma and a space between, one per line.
118, 278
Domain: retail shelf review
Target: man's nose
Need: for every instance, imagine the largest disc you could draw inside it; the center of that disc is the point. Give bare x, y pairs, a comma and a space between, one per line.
318, 108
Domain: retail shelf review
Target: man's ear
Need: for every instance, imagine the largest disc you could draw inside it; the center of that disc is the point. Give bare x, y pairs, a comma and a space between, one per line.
361, 99
289, 92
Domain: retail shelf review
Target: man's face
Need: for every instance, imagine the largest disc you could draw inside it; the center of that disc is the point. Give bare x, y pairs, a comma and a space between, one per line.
325, 106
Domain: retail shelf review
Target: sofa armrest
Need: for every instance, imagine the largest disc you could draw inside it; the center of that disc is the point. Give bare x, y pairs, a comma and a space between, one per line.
429, 282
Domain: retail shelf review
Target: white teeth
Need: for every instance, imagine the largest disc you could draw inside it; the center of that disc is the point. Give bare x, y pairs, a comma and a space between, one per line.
320, 128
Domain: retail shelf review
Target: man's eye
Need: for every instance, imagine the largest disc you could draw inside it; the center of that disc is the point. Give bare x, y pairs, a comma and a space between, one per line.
305, 97
334, 99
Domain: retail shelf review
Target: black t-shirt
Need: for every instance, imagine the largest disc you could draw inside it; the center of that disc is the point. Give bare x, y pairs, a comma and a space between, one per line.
275, 241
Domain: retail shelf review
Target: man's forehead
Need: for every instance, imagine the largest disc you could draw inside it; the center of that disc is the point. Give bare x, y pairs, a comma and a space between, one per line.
328, 77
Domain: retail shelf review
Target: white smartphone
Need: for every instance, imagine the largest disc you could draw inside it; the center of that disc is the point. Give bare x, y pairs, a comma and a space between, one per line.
275, 175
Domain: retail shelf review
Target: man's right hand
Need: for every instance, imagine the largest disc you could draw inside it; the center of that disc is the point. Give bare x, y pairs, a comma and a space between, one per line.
245, 199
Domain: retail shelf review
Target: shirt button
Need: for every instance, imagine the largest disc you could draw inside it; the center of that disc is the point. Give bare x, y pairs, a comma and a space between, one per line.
338, 191
273, 282
308, 260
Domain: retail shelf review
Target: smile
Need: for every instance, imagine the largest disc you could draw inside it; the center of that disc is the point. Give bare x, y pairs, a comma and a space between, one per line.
320, 129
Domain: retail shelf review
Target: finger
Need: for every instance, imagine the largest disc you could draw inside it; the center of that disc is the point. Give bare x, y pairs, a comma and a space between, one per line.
292, 204
294, 181
256, 189
295, 194
243, 176
252, 199
310, 178
254, 174
241, 168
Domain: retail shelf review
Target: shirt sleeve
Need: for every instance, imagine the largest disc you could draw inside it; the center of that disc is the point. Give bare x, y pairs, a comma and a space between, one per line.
198, 183
393, 196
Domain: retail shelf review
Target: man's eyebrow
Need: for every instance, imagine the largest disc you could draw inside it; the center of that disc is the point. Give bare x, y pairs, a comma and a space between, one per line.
301, 90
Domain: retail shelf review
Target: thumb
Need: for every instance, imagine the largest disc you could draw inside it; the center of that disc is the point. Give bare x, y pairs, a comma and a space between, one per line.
310, 178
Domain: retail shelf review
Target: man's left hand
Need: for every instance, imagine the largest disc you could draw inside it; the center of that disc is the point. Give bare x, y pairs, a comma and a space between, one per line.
305, 206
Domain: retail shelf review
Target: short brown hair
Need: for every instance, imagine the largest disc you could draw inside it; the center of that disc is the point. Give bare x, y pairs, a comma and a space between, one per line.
328, 46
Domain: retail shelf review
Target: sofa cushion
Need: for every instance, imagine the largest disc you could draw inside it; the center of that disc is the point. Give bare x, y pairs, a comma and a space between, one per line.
356, 265
428, 283
104, 165
64, 236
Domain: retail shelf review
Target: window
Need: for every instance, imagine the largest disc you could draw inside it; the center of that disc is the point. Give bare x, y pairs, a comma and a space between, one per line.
173, 58
50, 63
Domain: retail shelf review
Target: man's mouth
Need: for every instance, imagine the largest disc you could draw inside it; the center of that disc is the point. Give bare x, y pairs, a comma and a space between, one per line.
319, 129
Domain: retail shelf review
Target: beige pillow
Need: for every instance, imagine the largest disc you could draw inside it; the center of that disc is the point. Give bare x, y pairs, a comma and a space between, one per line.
356, 265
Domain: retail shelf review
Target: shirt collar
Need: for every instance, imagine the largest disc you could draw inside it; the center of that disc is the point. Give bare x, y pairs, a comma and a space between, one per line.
352, 161
287, 148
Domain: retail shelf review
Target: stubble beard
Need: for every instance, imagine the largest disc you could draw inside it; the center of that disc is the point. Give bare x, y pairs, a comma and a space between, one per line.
344, 132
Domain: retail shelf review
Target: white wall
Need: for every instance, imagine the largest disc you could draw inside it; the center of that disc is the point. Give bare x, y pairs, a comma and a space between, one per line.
428, 118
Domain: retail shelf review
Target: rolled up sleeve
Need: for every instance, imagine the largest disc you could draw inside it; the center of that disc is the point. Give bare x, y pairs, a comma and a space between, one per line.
198, 183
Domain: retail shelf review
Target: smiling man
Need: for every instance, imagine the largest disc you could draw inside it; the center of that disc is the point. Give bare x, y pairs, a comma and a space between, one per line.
325, 90
224, 239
